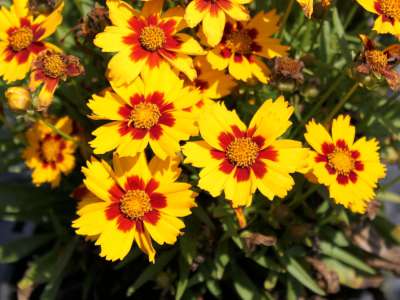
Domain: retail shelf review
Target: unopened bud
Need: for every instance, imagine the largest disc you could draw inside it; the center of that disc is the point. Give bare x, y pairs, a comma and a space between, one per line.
18, 98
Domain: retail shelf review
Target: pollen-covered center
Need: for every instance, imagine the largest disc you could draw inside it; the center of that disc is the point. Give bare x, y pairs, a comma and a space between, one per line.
152, 38
377, 60
390, 8
341, 161
144, 115
54, 65
239, 41
242, 152
135, 204
50, 150
21, 39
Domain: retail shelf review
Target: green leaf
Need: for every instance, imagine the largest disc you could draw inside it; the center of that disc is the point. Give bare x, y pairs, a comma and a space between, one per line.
243, 285
344, 256
152, 270
183, 280
389, 197
297, 271
17, 249
213, 288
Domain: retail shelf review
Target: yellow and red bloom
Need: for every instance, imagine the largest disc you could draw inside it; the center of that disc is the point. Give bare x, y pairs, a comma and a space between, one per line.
146, 40
388, 12
140, 202
151, 111
48, 154
240, 160
349, 168
21, 38
243, 43
48, 68
211, 84
212, 14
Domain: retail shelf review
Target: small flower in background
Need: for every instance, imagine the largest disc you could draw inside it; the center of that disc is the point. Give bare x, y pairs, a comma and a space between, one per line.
240, 160
307, 6
48, 154
314, 7
351, 169
21, 38
243, 45
45, 7
140, 202
212, 16
146, 40
212, 84
49, 68
287, 73
148, 111
388, 12
93, 23
18, 98
380, 63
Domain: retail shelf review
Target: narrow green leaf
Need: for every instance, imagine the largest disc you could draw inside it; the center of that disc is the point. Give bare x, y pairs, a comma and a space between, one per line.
243, 285
183, 280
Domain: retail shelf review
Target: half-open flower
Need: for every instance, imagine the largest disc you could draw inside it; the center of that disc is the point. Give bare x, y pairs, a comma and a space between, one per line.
349, 168
139, 203
48, 69
240, 160
244, 44
151, 111
48, 154
145, 40
21, 38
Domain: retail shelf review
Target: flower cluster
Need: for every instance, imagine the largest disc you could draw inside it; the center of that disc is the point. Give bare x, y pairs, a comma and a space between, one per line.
165, 106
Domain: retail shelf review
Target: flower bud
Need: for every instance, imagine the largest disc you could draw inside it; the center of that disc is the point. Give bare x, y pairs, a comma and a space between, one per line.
18, 98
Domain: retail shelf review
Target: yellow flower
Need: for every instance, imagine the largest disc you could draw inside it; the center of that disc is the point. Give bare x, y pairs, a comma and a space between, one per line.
148, 111
211, 84
351, 169
243, 44
212, 14
18, 98
239, 159
388, 12
146, 40
307, 6
21, 38
48, 154
140, 202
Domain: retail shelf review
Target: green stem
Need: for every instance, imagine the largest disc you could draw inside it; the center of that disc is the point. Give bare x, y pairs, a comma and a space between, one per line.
298, 200
286, 15
58, 131
341, 103
390, 183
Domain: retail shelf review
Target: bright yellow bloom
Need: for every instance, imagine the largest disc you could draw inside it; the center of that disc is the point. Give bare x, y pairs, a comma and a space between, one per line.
307, 6
21, 38
388, 12
18, 98
146, 40
243, 45
211, 84
140, 202
212, 14
151, 111
239, 159
48, 154
351, 169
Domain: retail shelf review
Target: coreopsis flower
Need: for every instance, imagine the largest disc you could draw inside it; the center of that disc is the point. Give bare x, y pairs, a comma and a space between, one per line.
21, 38
380, 63
212, 15
349, 168
311, 6
388, 12
18, 98
140, 202
148, 111
212, 84
287, 73
239, 160
48, 154
48, 69
146, 40
243, 45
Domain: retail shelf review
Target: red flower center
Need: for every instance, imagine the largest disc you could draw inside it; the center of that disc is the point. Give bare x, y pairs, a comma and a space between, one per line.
50, 149
21, 39
242, 152
239, 42
390, 8
144, 115
135, 204
54, 65
377, 60
342, 161
152, 38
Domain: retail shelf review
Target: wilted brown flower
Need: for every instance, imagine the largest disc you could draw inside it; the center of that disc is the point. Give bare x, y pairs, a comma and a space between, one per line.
95, 22
380, 63
45, 7
287, 73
